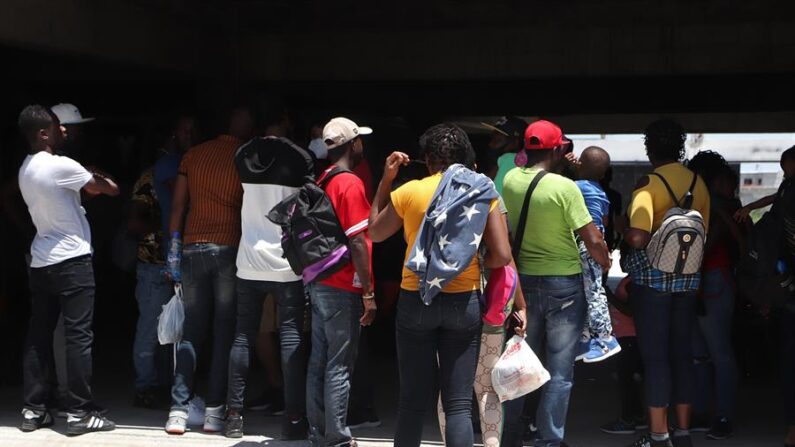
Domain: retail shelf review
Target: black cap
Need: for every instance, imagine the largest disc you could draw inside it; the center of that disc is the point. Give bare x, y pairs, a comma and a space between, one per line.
510, 126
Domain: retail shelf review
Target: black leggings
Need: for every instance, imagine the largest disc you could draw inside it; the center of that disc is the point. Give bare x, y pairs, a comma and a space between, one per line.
664, 323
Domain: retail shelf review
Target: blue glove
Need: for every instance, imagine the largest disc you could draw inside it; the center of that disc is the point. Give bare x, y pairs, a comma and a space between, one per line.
174, 257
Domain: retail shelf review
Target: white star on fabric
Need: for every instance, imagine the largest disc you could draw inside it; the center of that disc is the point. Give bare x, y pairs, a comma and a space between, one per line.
419, 258
474, 192
469, 211
440, 219
443, 242
435, 282
476, 241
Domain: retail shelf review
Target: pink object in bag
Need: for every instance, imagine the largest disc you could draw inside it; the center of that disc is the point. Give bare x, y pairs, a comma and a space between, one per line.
499, 295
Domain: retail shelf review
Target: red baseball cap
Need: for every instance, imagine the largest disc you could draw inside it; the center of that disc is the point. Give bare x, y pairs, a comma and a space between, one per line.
543, 134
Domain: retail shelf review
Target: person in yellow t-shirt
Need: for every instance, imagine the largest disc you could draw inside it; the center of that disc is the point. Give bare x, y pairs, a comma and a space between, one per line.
664, 304
437, 341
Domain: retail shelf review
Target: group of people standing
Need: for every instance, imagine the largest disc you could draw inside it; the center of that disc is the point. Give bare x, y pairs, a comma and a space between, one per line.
542, 212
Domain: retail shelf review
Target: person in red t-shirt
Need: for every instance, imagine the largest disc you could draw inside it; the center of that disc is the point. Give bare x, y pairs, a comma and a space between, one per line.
344, 301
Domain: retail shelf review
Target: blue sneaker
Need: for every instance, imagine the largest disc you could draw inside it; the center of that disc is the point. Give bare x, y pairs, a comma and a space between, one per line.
583, 348
602, 348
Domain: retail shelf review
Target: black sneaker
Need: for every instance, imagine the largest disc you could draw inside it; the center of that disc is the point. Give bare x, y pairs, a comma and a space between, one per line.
646, 441
721, 429
91, 422
363, 419
620, 427
63, 413
233, 428
682, 441
33, 420
295, 430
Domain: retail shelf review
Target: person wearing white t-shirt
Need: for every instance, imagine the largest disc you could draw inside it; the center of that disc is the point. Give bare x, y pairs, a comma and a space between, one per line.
61, 273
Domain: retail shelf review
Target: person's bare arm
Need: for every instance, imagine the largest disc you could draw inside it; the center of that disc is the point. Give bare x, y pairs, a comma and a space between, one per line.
360, 257
595, 243
742, 214
495, 236
636, 238
391, 168
384, 220
101, 184
519, 307
179, 205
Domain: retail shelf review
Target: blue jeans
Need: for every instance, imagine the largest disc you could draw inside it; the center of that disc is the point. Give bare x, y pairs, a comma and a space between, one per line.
556, 314
438, 343
291, 304
151, 292
208, 292
335, 339
713, 341
664, 323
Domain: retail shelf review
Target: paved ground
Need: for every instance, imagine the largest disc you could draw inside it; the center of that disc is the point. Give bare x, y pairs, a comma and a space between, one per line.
593, 403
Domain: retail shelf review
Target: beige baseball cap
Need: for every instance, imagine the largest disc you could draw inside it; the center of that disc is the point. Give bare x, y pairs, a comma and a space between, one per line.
340, 130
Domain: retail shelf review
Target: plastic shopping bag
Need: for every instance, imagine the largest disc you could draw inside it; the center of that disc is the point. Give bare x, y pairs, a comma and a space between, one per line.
169, 325
518, 371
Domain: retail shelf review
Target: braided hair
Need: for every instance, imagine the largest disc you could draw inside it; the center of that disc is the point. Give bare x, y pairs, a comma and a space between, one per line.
446, 144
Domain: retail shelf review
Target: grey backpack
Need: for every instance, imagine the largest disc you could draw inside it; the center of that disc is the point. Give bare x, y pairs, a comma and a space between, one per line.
678, 245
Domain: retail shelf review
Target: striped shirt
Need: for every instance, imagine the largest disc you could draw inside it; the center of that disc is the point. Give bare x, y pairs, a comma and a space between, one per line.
215, 192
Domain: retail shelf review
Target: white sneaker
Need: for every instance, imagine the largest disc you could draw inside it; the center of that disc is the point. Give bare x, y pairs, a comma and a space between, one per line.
177, 422
214, 418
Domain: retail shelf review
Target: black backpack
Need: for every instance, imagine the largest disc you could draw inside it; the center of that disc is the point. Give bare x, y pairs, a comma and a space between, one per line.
757, 275
313, 240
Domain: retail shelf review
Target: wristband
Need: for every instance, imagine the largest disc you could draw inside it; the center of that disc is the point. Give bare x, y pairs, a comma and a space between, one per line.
368, 296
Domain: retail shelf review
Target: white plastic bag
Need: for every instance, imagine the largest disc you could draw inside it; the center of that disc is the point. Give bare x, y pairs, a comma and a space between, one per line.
518, 371
169, 324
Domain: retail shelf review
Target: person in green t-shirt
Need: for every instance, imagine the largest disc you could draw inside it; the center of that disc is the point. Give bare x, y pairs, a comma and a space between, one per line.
550, 272
506, 140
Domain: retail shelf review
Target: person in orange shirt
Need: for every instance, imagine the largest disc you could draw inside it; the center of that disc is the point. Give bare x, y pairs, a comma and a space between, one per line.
205, 213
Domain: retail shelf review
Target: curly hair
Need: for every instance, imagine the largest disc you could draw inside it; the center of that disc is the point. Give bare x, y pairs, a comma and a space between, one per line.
665, 140
446, 144
710, 165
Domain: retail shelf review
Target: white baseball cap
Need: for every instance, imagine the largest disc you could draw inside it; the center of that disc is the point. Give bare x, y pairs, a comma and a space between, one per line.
69, 114
339, 131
